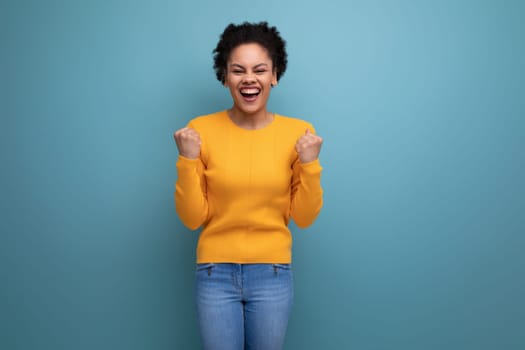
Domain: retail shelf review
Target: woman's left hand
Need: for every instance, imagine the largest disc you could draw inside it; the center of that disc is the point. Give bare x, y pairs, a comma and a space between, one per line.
308, 147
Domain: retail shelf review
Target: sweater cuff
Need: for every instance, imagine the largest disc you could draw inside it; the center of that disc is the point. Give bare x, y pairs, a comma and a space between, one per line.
312, 168
188, 163
188, 172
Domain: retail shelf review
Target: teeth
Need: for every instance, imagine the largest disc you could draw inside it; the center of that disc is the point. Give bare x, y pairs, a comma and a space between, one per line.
250, 91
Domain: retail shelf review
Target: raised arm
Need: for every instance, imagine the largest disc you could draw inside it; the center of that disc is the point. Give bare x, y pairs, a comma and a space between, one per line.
190, 189
307, 194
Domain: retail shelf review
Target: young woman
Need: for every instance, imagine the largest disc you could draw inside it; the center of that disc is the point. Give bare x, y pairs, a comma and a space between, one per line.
242, 174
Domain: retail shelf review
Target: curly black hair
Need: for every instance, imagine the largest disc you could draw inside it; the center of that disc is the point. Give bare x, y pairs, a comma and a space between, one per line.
245, 33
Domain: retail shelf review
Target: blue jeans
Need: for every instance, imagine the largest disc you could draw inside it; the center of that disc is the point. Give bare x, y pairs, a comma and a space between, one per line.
243, 306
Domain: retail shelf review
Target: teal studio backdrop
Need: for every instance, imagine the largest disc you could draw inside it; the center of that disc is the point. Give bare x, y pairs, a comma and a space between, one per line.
420, 244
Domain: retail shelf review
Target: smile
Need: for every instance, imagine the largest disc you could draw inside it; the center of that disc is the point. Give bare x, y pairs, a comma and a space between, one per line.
250, 94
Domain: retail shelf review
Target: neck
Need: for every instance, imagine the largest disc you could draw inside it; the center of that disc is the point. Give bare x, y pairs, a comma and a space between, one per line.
257, 120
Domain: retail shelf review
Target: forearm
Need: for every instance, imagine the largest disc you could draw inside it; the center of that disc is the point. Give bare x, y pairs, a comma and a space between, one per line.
307, 194
190, 199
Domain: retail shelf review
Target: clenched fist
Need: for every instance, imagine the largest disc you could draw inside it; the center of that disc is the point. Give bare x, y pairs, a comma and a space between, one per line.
188, 142
308, 147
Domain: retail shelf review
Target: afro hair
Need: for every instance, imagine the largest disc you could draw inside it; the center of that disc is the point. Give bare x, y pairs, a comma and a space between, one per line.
247, 33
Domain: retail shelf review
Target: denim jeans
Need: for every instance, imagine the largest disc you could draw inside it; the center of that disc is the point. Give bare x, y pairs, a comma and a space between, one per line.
243, 306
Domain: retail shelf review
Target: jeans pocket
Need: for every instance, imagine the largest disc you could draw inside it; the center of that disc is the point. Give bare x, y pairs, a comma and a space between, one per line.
282, 268
205, 267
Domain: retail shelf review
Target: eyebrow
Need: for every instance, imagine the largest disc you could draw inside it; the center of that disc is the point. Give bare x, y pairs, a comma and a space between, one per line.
255, 67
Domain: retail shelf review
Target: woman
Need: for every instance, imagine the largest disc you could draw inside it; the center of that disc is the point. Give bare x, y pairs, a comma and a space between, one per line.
242, 173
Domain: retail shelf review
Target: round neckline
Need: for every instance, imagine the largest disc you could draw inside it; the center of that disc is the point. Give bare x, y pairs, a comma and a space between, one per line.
266, 127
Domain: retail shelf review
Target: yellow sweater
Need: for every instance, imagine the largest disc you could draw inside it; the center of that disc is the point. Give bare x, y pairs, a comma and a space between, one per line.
244, 187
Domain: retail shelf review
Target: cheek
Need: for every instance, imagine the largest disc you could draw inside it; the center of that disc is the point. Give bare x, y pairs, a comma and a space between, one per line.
230, 84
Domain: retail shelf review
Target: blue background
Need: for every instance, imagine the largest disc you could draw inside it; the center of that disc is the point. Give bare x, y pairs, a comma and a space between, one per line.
420, 244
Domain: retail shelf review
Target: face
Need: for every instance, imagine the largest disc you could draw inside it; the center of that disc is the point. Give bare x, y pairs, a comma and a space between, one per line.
249, 76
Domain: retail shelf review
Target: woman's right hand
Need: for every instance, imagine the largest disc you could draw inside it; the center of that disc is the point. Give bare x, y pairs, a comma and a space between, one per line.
188, 142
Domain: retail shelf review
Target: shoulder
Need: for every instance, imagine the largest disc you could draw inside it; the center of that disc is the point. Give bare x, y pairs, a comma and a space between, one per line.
294, 124
208, 121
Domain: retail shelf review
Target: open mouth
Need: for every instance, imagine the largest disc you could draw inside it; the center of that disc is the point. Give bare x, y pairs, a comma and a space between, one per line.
250, 94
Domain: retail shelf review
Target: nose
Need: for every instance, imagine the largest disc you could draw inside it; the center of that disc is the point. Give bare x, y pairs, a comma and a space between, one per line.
249, 78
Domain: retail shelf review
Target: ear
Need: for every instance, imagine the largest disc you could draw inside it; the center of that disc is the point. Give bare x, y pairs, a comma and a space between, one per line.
225, 82
274, 78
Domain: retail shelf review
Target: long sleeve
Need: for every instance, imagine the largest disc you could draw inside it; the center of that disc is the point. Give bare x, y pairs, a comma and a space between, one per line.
191, 201
244, 188
307, 194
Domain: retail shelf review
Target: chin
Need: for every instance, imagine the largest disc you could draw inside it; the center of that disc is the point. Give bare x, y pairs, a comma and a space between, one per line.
249, 109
